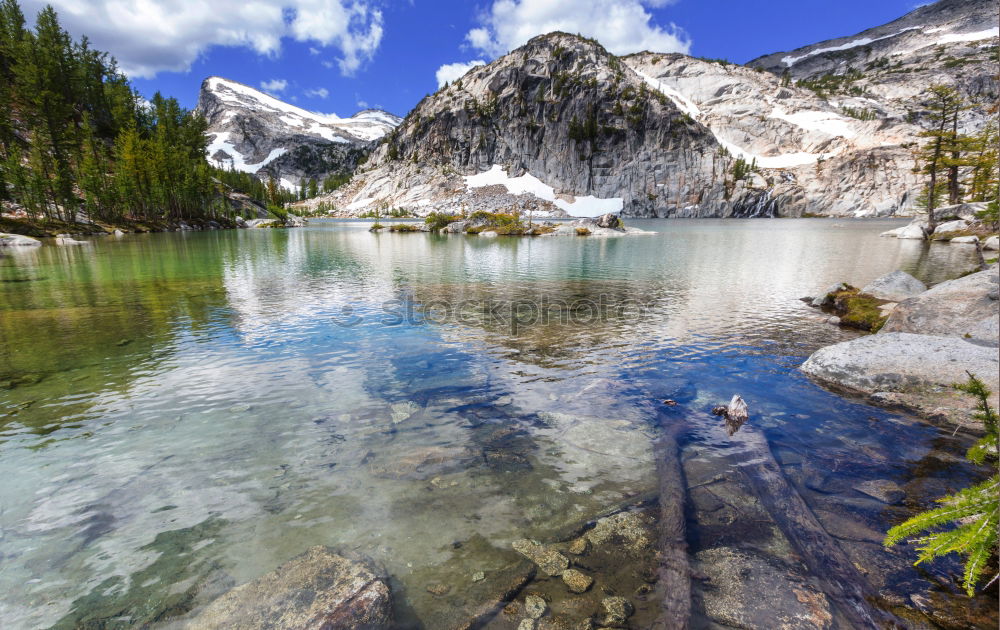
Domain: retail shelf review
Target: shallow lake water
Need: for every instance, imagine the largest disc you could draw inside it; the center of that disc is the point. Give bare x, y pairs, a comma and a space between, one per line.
183, 412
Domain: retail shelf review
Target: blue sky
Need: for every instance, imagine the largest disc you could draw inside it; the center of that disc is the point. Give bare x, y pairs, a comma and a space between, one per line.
344, 55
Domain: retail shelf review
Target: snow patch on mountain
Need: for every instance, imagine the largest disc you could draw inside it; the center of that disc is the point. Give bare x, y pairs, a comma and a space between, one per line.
862, 41
585, 206
815, 120
682, 102
235, 159
969, 37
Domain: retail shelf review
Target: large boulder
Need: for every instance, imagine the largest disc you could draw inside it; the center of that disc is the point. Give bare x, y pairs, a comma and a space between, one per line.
960, 307
965, 240
895, 286
911, 231
952, 226
318, 590
17, 240
903, 362
610, 221
992, 243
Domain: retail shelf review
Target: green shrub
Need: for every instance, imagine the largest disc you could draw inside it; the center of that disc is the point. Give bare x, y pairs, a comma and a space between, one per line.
437, 220
405, 227
966, 523
277, 212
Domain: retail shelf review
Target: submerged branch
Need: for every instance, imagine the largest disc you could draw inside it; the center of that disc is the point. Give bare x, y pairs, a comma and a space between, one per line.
674, 582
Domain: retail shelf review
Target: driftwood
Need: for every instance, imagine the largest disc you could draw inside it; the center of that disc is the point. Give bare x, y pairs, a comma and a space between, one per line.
736, 414
674, 583
842, 583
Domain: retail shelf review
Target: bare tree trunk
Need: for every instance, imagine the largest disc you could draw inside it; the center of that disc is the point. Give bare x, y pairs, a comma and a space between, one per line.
674, 584
842, 581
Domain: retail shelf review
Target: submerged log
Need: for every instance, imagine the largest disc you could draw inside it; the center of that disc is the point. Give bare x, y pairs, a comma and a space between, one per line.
842, 583
674, 583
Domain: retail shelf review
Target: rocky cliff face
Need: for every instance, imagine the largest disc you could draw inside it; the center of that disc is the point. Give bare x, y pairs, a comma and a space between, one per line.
827, 129
561, 118
256, 133
951, 42
814, 155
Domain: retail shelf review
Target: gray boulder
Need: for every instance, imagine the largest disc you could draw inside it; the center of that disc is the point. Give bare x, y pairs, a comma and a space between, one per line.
965, 240
903, 362
895, 286
960, 307
456, 227
952, 226
17, 240
912, 231
992, 243
295, 220
240, 222
609, 220
318, 590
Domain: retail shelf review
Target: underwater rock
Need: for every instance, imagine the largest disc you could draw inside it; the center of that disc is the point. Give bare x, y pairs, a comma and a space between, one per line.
313, 591
403, 411
617, 610
421, 463
534, 606
577, 581
548, 560
482, 599
630, 530
882, 489
736, 582
526, 624
578, 547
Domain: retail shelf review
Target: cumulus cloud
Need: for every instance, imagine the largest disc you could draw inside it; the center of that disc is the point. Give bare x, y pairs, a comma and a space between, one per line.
452, 71
274, 85
622, 26
318, 92
156, 35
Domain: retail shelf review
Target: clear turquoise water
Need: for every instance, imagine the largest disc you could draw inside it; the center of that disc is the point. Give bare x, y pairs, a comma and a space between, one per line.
185, 411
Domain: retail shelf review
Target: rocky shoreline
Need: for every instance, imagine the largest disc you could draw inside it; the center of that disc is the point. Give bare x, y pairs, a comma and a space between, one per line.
929, 340
31, 235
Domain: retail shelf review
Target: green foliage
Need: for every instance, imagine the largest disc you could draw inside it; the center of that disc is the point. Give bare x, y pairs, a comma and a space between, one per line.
966, 523
742, 169
76, 138
277, 212
405, 227
991, 214
860, 114
437, 220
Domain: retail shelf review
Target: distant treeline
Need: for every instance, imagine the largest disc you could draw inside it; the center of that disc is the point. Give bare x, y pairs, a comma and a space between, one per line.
75, 137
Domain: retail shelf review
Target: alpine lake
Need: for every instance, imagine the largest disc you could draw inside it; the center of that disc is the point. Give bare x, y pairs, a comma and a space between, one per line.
183, 412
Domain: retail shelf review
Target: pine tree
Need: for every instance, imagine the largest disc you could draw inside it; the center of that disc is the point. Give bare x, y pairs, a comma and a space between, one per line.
938, 156
313, 188
971, 515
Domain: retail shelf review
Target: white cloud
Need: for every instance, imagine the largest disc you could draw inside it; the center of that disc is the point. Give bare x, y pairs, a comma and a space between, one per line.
151, 36
363, 104
318, 92
274, 85
452, 71
622, 26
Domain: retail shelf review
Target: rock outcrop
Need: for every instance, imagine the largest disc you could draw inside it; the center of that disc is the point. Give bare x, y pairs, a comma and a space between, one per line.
318, 590
965, 307
951, 42
929, 342
17, 240
894, 286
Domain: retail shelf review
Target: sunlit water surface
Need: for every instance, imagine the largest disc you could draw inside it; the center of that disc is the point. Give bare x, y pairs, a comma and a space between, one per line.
181, 412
